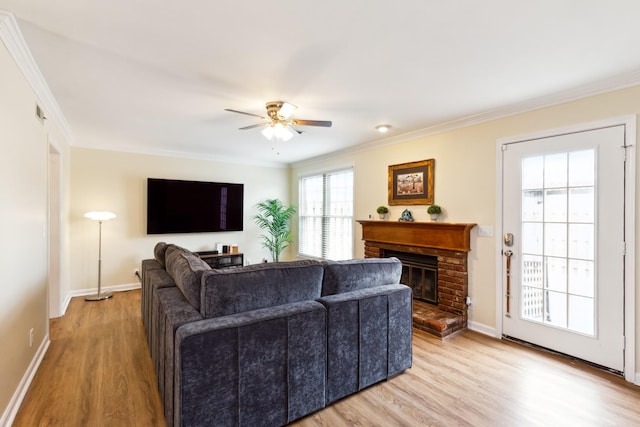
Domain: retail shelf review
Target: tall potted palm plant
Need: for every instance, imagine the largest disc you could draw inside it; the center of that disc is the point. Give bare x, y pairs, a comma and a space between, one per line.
275, 218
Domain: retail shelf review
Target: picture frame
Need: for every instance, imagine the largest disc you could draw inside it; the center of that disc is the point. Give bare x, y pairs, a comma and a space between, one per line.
411, 183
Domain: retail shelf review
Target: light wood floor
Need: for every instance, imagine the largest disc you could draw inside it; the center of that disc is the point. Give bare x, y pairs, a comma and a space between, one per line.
97, 372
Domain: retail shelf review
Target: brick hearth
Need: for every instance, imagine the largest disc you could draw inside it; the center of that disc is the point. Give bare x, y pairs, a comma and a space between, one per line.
450, 244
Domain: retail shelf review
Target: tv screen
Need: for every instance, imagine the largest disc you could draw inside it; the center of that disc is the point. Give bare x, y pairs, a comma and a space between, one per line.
175, 206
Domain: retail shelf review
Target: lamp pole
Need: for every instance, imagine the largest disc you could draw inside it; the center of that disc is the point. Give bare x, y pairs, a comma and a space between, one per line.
100, 217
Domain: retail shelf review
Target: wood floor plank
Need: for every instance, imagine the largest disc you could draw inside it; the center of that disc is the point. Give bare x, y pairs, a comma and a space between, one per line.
98, 372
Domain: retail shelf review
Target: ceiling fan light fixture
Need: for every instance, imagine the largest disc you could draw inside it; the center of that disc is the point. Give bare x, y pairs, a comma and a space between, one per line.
287, 110
282, 132
268, 132
278, 131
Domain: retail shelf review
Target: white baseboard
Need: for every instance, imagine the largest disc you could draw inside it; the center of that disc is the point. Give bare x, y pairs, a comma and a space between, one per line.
16, 400
65, 304
482, 328
115, 288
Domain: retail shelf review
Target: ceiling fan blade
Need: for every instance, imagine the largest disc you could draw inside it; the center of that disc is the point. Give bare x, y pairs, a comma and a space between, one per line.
322, 123
253, 126
299, 132
242, 112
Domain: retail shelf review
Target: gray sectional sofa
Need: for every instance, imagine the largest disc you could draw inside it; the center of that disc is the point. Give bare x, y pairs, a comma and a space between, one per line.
269, 343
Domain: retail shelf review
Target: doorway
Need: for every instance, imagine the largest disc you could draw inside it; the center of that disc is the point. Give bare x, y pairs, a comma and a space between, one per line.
565, 221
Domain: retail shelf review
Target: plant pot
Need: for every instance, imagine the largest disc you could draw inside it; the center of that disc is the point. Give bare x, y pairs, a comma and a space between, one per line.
434, 217
382, 216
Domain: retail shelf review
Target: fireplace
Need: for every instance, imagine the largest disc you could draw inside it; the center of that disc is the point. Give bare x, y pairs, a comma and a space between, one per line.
434, 259
420, 272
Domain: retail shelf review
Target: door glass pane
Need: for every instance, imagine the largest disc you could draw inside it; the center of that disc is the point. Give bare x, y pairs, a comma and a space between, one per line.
555, 239
532, 238
556, 277
581, 241
555, 170
581, 280
555, 205
581, 314
532, 205
582, 168
556, 309
558, 239
532, 305
532, 274
532, 172
581, 202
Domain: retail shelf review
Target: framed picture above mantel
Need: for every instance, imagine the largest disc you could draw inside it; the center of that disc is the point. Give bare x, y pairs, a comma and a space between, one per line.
411, 183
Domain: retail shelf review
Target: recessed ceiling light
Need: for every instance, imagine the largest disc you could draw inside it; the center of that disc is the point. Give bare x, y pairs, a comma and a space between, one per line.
383, 128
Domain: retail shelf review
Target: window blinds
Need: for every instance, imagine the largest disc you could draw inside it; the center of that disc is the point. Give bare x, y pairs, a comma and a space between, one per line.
326, 215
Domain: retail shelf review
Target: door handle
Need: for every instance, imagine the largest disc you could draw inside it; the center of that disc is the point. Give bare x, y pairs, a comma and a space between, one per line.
508, 254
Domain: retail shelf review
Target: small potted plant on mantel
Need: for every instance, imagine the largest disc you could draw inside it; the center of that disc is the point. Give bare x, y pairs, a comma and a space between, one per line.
434, 211
382, 211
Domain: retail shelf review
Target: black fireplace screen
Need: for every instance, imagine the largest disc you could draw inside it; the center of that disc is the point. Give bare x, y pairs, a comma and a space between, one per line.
420, 272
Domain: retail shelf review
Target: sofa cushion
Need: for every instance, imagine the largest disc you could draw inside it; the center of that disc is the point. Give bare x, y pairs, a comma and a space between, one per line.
354, 274
159, 251
236, 290
186, 269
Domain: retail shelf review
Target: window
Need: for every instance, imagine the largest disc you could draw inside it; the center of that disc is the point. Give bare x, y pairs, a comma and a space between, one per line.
326, 215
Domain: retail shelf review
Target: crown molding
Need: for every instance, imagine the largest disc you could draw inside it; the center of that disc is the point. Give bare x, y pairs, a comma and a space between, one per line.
184, 155
618, 82
17, 46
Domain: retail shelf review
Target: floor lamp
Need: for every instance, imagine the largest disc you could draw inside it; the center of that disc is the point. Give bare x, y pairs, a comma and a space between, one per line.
100, 217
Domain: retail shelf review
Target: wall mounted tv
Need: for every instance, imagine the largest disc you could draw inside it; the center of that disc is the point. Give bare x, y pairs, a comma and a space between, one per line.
175, 206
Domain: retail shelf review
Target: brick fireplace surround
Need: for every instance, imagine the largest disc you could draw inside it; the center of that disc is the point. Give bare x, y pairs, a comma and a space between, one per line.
450, 243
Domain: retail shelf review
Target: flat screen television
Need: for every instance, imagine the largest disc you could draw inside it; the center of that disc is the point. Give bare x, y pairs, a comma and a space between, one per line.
175, 206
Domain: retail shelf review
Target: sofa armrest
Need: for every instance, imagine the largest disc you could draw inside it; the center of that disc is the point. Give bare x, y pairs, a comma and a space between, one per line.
156, 279
173, 311
146, 266
263, 367
368, 337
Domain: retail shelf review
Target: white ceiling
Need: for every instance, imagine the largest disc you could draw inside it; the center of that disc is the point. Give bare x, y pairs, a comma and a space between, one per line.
156, 76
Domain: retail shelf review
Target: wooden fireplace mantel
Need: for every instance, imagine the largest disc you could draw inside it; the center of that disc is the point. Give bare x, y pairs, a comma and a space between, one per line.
438, 235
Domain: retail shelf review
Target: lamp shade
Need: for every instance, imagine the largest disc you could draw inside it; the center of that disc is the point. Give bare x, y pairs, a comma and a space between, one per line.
100, 215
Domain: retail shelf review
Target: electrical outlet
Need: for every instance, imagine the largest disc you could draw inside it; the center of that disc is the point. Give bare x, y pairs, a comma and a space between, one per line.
136, 271
31, 337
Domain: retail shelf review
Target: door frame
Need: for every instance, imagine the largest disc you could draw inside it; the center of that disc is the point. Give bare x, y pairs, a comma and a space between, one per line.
55, 230
629, 228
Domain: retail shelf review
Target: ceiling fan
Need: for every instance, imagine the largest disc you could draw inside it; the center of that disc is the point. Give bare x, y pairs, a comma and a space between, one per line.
277, 123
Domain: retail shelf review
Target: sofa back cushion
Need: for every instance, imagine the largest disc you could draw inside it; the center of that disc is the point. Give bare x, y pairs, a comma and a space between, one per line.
159, 251
354, 274
186, 269
236, 290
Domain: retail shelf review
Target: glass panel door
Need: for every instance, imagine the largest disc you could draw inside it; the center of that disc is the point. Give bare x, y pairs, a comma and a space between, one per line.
563, 203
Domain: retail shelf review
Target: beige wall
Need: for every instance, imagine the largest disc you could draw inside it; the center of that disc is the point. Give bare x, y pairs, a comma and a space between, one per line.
23, 226
106, 180
465, 181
